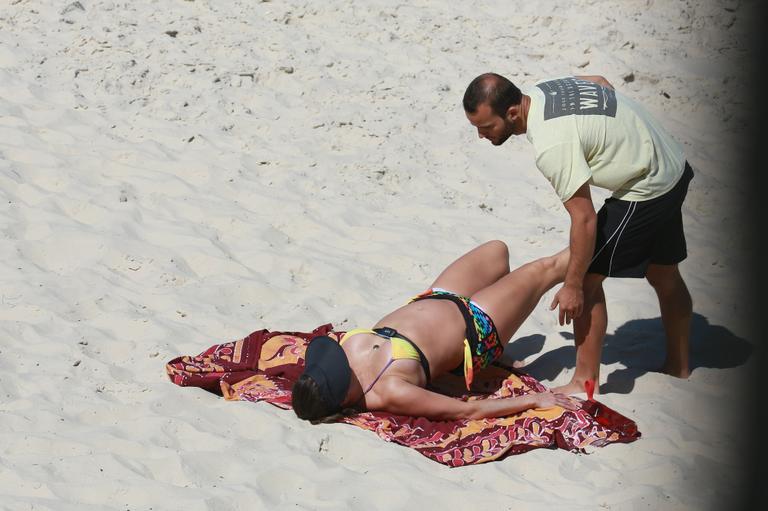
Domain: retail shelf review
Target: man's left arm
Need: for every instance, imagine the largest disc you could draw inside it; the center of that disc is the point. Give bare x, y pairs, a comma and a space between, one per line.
570, 297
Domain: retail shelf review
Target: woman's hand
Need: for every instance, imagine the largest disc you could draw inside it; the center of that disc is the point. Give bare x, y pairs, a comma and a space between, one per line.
549, 399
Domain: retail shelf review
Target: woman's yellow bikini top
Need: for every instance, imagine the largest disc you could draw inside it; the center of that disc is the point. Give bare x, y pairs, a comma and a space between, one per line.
402, 349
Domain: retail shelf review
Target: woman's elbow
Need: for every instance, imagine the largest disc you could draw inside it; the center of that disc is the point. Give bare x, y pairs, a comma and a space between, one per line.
473, 410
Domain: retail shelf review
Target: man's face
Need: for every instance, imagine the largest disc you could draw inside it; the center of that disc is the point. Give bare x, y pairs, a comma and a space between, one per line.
490, 125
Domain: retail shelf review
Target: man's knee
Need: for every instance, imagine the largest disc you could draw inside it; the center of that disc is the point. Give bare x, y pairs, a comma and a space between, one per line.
593, 286
664, 278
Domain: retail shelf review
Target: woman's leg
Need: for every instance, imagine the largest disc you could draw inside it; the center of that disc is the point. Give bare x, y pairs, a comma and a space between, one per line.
511, 299
475, 270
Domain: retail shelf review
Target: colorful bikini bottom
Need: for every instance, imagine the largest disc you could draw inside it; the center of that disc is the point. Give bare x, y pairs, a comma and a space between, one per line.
482, 345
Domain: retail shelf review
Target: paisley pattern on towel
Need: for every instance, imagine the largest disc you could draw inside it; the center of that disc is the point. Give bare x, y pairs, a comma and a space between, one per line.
264, 365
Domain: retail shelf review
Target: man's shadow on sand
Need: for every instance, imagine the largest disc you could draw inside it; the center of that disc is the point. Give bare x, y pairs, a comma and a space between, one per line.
639, 345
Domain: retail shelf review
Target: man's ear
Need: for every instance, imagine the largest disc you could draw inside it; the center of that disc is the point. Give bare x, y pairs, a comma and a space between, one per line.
513, 112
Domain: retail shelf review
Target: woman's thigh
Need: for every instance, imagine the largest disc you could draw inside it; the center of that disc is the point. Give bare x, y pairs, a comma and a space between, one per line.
511, 299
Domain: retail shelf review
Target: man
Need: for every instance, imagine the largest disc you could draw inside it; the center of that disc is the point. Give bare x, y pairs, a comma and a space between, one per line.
585, 133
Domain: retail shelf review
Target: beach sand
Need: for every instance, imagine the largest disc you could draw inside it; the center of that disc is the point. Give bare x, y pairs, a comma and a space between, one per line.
176, 174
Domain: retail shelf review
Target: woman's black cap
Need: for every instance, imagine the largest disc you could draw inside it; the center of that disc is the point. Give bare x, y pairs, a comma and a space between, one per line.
327, 364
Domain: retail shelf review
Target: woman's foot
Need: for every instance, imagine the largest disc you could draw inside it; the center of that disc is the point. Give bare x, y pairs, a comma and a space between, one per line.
561, 260
558, 264
512, 362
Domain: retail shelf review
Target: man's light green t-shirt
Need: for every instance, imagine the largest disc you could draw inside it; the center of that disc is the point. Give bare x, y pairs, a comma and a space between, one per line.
582, 132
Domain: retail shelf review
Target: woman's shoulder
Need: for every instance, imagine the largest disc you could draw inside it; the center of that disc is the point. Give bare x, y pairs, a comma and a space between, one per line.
397, 381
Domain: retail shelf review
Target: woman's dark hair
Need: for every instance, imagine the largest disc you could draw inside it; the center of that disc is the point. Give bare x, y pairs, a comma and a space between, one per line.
307, 401
309, 404
493, 89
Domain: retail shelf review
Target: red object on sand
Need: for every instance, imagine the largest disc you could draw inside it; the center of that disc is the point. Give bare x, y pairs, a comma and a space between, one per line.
606, 416
589, 386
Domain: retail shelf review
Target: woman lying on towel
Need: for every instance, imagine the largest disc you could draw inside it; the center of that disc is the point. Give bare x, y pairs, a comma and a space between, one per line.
460, 324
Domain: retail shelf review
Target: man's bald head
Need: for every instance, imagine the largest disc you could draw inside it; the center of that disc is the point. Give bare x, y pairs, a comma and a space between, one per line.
494, 89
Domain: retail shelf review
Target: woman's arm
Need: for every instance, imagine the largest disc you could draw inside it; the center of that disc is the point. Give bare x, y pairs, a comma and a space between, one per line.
403, 398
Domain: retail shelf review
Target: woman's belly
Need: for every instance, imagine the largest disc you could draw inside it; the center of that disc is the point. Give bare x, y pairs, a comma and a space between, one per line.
436, 326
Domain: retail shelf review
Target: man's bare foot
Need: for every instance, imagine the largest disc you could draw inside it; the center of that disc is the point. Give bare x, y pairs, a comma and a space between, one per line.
574, 387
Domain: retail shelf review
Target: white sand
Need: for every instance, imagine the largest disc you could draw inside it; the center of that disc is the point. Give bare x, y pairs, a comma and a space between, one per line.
285, 164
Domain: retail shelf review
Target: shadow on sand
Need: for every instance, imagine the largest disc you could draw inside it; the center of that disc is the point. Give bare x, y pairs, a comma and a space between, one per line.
639, 345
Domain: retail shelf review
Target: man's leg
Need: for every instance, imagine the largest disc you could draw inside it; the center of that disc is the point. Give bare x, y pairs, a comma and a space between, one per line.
589, 332
676, 312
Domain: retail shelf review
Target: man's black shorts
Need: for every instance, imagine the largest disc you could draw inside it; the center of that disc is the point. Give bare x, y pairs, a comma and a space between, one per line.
632, 235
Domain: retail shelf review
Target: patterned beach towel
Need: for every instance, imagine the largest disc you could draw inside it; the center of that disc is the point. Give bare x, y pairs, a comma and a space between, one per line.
264, 365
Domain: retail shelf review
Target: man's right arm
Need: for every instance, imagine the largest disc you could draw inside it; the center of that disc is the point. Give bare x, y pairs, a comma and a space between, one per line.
582, 235
570, 297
